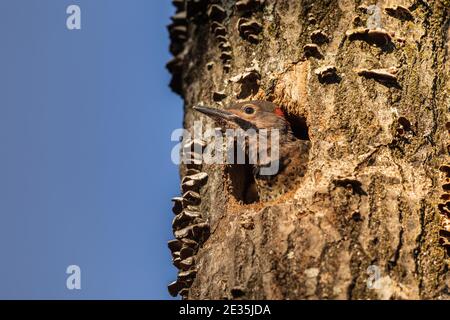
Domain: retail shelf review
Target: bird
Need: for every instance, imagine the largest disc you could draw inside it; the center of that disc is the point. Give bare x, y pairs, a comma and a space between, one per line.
292, 156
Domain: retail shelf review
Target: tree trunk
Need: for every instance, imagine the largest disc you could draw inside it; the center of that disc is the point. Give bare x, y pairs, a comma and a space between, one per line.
369, 81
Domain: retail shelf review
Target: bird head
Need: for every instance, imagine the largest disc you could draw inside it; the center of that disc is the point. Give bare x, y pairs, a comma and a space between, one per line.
255, 115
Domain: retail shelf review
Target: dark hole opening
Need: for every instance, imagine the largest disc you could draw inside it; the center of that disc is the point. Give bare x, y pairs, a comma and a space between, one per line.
299, 126
243, 186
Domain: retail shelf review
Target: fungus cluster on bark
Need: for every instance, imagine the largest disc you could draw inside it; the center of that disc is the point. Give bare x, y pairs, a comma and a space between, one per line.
217, 15
327, 74
444, 205
249, 28
178, 31
190, 227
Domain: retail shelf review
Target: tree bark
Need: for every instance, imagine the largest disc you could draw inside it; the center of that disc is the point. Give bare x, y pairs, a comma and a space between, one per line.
370, 81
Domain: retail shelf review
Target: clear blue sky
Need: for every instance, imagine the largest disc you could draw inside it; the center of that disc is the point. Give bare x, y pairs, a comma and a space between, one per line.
85, 170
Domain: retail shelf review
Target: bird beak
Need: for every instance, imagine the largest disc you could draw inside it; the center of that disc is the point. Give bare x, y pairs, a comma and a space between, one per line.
216, 114
222, 115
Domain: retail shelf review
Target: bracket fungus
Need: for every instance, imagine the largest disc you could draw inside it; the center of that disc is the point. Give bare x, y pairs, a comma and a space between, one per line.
190, 243
191, 198
179, 18
177, 205
226, 55
220, 34
225, 46
175, 287
198, 232
444, 207
218, 29
446, 170
186, 232
249, 81
187, 276
199, 178
185, 218
192, 183
319, 37
249, 29
446, 187
216, 13
221, 39
178, 33
247, 5
327, 74
187, 263
227, 66
399, 12
210, 65
377, 36
312, 50
219, 96
174, 245
312, 19
186, 252
445, 231
444, 241
385, 76
178, 4
196, 8
176, 262
175, 67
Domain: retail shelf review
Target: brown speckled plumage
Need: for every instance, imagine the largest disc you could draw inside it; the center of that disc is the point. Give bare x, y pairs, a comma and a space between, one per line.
293, 152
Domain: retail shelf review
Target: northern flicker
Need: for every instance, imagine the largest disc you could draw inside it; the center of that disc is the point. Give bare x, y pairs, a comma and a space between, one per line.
292, 154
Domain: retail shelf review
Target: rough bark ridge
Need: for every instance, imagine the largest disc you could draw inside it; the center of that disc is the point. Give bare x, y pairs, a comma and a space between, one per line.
371, 79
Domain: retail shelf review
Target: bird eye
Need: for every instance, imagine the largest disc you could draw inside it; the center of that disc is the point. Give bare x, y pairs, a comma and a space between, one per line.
249, 110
